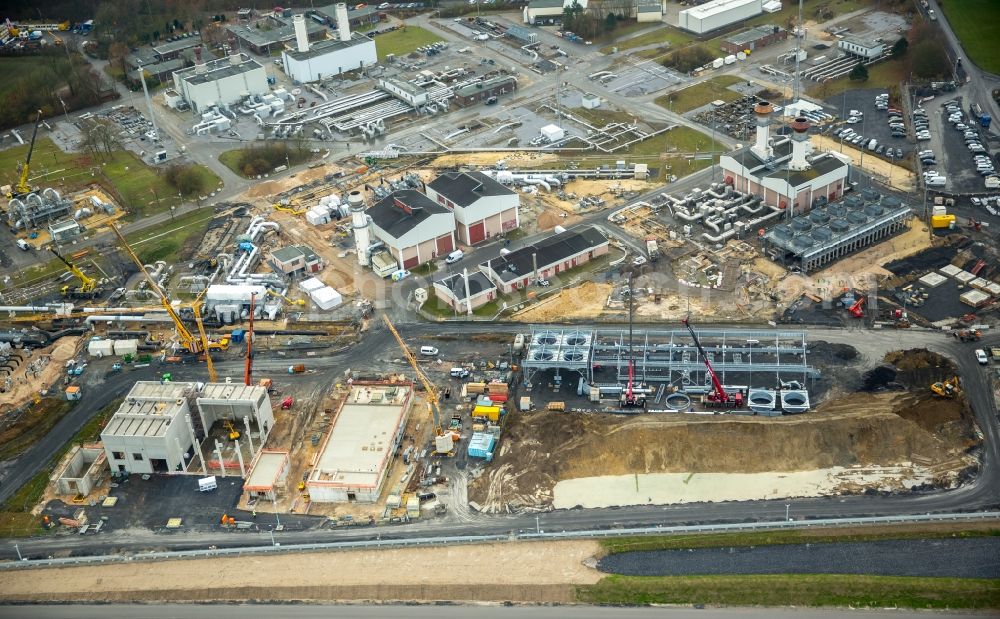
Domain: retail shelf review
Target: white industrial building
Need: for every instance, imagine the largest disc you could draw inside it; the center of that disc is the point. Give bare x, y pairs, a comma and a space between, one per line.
483, 207
221, 82
784, 171
159, 426
357, 453
310, 62
538, 10
717, 14
648, 11
414, 228
858, 46
153, 430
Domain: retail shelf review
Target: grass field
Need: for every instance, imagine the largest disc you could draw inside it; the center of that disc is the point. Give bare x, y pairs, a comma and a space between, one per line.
165, 242
667, 37
35, 424
402, 42
881, 75
796, 590
231, 158
147, 191
975, 25
600, 118
700, 94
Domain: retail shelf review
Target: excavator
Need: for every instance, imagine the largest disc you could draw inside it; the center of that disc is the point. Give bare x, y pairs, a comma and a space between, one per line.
286, 299
23, 188
88, 288
192, 344
856, 310
432, 395
946, 389
718, 395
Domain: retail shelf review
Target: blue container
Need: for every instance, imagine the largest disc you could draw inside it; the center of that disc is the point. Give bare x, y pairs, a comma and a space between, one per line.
237, 336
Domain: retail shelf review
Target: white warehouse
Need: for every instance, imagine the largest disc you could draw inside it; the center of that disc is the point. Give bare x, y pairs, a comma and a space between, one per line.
221, 82
714, 15
310, 62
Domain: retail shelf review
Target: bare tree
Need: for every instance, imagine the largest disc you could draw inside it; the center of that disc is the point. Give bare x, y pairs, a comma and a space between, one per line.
100, 138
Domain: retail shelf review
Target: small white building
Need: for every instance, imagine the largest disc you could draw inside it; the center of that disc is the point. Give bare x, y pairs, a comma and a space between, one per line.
648, 11
357, 453
483, 207
717, 14
152, 431
858, 46
413, 227
221, 82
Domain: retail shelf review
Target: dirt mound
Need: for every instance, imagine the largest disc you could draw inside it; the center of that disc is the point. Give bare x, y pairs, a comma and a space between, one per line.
880, 378
540, 449
64, 349
840, 352
919, 367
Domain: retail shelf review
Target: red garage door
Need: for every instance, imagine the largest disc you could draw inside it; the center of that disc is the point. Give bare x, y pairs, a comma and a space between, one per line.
477, 233
444, 246
409, 264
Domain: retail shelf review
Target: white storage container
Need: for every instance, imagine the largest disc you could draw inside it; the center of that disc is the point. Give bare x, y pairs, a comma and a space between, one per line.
101, 348
326, 298
311, 284
126, 347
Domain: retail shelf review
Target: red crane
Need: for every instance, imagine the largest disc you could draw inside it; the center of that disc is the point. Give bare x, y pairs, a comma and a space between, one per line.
248, 369
718, 396
856, 310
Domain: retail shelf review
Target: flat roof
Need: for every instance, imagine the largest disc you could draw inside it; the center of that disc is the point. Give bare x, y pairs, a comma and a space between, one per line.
472, 89
231, 391
818, 167
330, 11
545, 4
149, 409
276, 34
718, 6
360, 443
327, 46
173, 46
862, 41
219, 69
752, 34
265, 470
405, 86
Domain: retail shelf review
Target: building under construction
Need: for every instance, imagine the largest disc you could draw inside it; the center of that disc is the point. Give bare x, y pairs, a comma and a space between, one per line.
36, 209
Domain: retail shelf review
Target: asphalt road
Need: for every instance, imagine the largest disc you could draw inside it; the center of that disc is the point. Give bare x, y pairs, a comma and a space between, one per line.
315, 611
966, 558
982, 492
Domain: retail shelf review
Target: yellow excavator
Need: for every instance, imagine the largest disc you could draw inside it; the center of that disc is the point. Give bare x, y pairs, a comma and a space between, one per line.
234, 434
88, 288
946, 389
272, 293
432, 396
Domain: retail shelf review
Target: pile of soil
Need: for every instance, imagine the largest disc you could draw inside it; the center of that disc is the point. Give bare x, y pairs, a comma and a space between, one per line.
540, 449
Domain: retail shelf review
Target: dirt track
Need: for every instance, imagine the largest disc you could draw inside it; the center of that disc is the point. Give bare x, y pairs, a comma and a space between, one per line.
543, 571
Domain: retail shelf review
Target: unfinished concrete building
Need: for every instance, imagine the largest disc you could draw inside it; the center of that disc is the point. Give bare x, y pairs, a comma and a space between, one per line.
356, 455
82, 470
835, 230
240, 405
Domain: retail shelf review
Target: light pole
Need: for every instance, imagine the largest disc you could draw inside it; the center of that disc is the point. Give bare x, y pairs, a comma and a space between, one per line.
274, 502
65, 113
272, 537
787, 507
538, 528
18, 550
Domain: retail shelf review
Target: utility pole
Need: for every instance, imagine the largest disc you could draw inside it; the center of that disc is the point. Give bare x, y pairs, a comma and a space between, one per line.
149, 103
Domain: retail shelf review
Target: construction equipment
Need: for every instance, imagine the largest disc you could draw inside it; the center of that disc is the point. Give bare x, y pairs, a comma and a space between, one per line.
88, 286
968, 335
946, 389
188, 341
234, 434
632, 398
23, 188
205, 344
248, 368
281, 296
432, 396
287, 403
855, 308
718, 395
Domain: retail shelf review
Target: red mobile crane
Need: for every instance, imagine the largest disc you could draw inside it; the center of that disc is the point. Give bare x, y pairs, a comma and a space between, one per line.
718, 396
248, 370
633, 398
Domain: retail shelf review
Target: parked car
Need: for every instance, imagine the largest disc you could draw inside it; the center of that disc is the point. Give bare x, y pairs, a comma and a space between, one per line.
981, 356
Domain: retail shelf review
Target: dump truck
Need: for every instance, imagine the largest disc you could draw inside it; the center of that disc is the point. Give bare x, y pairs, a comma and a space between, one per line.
296, 369
652, 249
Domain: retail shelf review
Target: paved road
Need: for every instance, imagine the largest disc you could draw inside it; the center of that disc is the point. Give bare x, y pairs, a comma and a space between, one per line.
984, 491
966, 558
221, 611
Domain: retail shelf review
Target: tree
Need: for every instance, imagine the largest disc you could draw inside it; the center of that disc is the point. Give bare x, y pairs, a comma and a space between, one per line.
99, 137
186, 179
610, 22
859, 73
929, 60
899, 47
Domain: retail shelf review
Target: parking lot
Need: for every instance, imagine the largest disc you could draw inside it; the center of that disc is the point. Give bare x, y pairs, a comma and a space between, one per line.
954, 160
873, 125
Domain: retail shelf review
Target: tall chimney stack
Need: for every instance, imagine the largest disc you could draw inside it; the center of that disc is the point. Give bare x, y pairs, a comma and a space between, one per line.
800, 144
343, 22
301, 36
761, 148
359, 222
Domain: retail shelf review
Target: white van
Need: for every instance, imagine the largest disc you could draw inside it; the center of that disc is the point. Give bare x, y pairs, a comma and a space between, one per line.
459, 372
454, 256
428, 351
23, 245
936, 181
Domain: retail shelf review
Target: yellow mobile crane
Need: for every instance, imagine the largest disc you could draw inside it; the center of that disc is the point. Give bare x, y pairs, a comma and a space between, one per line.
188, 341
22, 187
432, 397
87, 289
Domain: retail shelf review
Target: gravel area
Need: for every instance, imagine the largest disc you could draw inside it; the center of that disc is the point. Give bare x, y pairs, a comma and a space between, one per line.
960, 558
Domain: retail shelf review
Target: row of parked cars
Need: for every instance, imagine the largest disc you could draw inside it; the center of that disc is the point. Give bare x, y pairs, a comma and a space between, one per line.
849, 136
